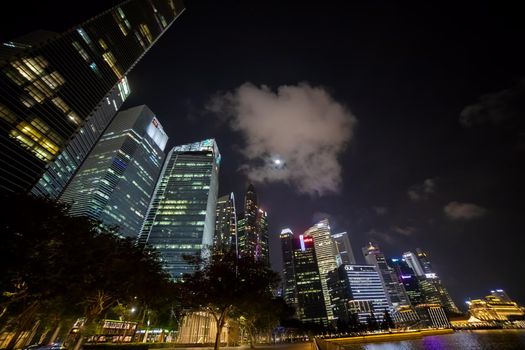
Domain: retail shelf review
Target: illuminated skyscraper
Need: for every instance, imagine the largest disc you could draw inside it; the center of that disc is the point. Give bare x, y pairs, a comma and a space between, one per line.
325, 253
289, 286
59, 92
395, 291
424, 260
226, 223
253, 228
116, 182
181, 215
308, 282
358, 289
412, 261
345, 255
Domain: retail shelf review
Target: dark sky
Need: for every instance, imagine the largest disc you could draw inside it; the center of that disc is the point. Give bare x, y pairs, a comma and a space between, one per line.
420, 169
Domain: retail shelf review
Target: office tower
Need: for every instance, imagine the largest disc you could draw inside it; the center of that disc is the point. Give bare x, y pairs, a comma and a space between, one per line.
432, 315
358, 289
325, 252
410, 282
263, 244
59, 92
345, 255
395, 291
310, 296
253, 228
289, 286
181, 215
412, 261
431, 286
424, 260
116, 181
248, 223
226, 223
434, 292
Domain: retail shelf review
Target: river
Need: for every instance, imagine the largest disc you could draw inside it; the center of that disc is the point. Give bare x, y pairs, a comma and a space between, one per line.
471, 340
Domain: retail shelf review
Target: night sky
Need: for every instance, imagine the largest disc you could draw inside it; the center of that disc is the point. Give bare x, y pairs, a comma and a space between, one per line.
401, 122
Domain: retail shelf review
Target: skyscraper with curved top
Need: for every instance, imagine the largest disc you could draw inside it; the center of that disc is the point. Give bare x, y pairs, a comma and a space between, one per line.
59, 92
181, 216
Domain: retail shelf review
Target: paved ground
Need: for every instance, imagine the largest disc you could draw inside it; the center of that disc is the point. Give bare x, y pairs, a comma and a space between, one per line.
293, 346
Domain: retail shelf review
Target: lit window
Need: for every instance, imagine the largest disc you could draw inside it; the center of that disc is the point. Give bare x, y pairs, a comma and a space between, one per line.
23, 70
102, 44
36, 66
60, 104
81, 51
144, 30
14, 76
84, 36
112, 63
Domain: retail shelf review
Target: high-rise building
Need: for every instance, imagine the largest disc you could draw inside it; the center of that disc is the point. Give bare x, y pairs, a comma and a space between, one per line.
424, 260
59, 92
395, 291
226, 223
181, 216
434, 291
263, 244
325, 252
289, 285
410, 282
345, 254
253, 228
310, 296
116, 181
359, 290
412, 261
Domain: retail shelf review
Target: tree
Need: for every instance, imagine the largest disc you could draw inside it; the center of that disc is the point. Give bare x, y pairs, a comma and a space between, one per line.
224, 284
56, 267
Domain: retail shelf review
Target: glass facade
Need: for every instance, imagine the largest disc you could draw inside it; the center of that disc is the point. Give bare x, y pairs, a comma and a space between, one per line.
116, 182
226, 223
395, 290
309, 291
181, 215
253, 228
289, 292
59, 92
364, 291
345, 254
326, 253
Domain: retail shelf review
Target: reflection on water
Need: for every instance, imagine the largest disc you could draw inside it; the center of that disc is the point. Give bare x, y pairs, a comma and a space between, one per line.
471, 340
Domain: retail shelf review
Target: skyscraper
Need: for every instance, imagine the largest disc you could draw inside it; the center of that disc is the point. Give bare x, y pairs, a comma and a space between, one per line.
345, 255
248, 223
395, 292
181, 215
116, 181
362, 292
308, 282
226, 223
325, 253
253, 228
424, 260
263, 244
287, 248
412, 261
59, 92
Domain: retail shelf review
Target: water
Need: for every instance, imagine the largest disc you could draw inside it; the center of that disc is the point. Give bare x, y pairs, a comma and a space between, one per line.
471, 340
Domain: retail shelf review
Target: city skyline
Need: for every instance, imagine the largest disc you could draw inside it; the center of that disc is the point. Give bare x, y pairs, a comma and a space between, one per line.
421, 170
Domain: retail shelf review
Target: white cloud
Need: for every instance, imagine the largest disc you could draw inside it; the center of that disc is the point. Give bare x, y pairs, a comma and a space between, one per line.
380, 210
294, 135
405, 231
422, 191
463, 211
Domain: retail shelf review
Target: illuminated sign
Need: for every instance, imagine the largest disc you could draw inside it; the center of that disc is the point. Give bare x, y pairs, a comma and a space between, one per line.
308, 240
349, 268
430, 275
